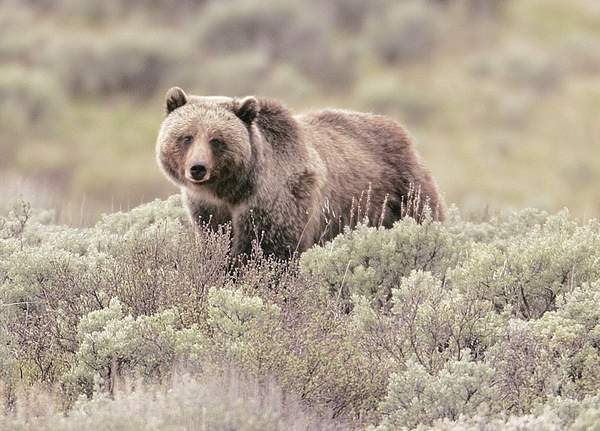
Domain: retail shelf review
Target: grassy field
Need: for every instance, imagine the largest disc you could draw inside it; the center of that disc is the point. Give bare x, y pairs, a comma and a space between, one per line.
502, 97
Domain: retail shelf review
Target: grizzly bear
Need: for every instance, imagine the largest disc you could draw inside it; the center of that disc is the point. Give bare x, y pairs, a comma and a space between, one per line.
290, 181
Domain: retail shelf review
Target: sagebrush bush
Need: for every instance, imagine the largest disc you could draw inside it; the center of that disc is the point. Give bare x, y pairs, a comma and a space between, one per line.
112, 345
371, 261
454, 325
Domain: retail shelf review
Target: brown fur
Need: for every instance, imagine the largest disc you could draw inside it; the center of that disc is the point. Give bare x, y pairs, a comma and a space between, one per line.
291, 181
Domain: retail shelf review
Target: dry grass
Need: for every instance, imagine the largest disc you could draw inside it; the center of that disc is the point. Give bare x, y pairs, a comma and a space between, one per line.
214, 400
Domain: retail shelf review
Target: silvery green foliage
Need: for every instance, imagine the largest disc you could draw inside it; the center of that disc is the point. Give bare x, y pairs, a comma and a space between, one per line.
588, 420
234, 319
532, 268
415, 396
555, 355
148, 218
112, 344
427, 322
371, 261
51, 276
464, 324
514, 299
522, 259
556, 415
29, 249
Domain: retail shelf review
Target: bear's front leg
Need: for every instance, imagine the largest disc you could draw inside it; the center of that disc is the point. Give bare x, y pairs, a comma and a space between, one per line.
202, 214
274, 237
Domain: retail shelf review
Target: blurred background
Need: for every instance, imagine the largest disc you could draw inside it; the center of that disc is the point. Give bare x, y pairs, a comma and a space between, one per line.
502, 96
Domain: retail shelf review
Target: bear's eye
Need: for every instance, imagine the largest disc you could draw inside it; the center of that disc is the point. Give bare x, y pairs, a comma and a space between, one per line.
187, 140
216, 144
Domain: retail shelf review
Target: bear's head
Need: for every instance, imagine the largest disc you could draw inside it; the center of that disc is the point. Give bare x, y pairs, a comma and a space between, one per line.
204, 142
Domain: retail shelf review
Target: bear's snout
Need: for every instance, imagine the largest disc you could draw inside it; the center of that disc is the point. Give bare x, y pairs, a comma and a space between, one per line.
198, 172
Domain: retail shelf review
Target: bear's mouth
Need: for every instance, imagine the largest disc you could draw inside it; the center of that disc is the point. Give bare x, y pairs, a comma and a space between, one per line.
204, 180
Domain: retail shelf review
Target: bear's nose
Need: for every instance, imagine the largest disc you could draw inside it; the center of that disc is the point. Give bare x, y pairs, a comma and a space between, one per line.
198, 172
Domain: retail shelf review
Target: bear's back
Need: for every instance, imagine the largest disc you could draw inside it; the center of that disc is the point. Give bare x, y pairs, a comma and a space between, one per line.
370, 132
365, 144
363, 151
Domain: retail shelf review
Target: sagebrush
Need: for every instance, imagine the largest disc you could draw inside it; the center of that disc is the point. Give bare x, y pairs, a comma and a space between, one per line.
460, 325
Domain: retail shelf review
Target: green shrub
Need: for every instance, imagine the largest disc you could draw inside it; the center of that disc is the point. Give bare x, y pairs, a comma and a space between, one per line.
531, 270
446, 325
237, 323
557, 414
588, 420
371, 261
113, 345
519, 314
138, 259
415, 396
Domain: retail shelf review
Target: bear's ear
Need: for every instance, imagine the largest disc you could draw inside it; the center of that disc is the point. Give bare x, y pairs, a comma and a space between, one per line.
247, 109
175, 98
